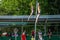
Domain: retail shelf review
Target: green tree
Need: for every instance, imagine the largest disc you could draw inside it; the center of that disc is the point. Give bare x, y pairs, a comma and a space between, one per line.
15, 7
9, 6
22, 7
54, 7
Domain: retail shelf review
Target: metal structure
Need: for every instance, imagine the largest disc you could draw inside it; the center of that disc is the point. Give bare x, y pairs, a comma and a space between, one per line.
22, 20
25, 17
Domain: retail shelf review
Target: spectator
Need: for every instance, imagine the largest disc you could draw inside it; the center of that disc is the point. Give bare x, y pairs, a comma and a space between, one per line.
49, 33
40, 35
23, 36
33, 33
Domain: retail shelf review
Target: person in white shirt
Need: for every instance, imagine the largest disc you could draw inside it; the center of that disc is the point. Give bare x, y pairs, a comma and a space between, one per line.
40, 35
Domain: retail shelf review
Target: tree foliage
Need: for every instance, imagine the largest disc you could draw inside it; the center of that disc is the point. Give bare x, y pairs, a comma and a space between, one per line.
15, 7
23, 7
54, 7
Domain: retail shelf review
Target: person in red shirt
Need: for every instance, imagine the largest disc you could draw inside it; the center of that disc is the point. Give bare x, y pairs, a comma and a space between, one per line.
23, 36
33, 33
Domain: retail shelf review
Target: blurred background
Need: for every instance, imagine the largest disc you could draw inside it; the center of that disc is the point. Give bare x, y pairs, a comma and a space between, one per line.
12, 15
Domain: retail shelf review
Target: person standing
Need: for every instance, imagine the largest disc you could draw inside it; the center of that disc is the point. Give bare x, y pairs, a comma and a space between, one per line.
23, 36
40, 35
33, 33
49, 33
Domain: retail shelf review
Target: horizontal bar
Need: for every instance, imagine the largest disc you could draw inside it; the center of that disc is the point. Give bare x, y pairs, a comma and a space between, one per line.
26, 16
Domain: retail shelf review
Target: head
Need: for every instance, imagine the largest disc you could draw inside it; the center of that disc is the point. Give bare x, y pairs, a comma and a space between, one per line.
23, 32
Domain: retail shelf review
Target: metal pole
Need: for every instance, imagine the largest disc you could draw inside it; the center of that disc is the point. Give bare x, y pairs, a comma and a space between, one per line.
57, 29
22, 29
35, 30
22, 25
36, 14
45, 27
36, 6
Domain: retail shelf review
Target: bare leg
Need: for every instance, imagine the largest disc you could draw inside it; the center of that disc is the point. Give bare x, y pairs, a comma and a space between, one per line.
37, 18
38, 13
31, 12
30, 16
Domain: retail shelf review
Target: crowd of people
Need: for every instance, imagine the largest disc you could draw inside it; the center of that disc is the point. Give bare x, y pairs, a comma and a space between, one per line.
24, 35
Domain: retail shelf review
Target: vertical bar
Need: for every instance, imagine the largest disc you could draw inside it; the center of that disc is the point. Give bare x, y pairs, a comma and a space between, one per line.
22, 29
36, 6
57, 29
35, 30
36, 14
22, 25
45, 27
